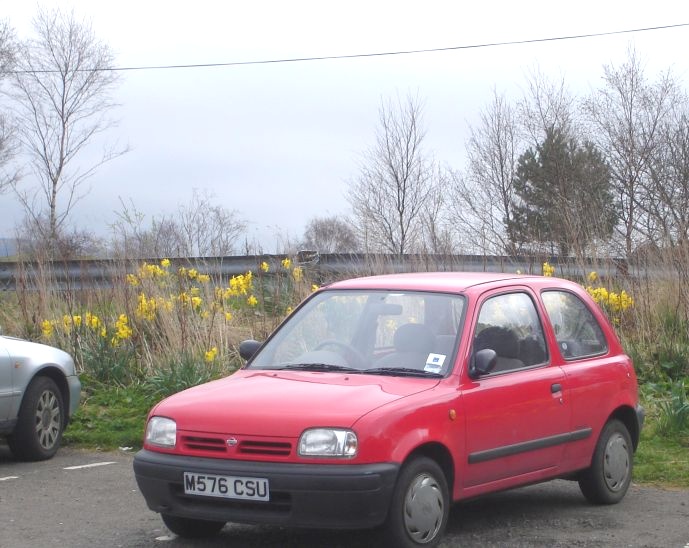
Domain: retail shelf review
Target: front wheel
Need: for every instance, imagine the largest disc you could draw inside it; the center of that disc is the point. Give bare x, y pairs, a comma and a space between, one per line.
40, 422
420, 506
607, 479
192, 528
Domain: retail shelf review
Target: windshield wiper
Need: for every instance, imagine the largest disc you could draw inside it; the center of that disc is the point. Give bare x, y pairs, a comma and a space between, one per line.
320, 367
402, 372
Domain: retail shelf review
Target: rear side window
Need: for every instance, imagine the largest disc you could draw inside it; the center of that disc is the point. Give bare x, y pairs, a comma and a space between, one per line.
577, 331
509, 325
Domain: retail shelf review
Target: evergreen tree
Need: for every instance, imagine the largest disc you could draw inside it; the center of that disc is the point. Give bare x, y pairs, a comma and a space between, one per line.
563, 195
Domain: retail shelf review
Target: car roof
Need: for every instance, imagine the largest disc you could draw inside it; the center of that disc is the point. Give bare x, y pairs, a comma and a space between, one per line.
453, 282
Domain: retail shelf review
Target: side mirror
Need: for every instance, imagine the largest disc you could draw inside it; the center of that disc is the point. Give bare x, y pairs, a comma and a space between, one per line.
248, 348
482, 362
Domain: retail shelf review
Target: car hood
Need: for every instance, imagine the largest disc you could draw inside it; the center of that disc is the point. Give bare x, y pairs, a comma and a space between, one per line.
283, 403
26, 353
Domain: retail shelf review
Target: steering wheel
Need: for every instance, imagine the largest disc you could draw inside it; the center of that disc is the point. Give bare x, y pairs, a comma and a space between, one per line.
352, 355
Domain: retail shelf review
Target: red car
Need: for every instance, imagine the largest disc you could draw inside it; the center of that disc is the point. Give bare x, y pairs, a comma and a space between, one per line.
381, 401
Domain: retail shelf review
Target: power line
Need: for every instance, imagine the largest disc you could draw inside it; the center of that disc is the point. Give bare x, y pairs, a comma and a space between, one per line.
365, 55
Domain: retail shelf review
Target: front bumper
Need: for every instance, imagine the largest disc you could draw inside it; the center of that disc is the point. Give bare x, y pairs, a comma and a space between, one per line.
347, 496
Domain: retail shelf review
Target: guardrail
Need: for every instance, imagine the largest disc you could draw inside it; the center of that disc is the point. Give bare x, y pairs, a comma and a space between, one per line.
103, 273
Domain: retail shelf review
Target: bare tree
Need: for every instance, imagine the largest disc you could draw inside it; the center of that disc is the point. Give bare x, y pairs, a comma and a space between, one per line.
667, 188
7, 47
547, 106
70, 242
7, 136
436, 224
208, 229
393, 187
626, 115
482, 197
199, 229
61, 88
330, 235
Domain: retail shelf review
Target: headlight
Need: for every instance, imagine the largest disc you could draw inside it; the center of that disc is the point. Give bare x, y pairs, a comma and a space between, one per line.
328, 442
162, 432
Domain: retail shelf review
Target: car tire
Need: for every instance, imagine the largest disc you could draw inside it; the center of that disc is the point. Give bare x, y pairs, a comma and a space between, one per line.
192, 528
41, 420
607, 479
420, 506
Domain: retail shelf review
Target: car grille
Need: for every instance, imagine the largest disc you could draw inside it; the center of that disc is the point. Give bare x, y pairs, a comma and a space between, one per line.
250, 447
218, 445
197, 443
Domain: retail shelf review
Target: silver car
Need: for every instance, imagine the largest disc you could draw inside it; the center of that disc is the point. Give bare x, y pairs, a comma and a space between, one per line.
39, 392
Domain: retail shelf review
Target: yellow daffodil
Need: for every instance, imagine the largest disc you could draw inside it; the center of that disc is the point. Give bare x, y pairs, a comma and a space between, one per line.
211, 354
47, 327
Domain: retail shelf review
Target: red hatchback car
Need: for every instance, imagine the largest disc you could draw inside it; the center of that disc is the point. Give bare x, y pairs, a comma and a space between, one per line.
381, 401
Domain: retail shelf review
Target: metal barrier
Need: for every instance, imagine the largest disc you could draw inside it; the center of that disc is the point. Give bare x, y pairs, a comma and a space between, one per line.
104, 273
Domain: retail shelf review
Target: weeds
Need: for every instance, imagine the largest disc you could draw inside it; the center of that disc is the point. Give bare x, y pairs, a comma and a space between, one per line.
673, 411
183, 372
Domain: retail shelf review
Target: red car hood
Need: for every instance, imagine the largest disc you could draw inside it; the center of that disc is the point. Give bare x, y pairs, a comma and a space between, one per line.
284, 403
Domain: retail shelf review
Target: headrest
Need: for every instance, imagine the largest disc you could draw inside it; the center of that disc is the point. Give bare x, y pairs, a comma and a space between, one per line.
501, 339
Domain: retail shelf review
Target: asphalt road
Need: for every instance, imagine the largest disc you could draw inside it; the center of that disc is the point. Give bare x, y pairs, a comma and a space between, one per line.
90, 499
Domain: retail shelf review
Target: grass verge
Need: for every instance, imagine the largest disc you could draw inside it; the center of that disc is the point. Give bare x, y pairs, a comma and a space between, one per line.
110, 417
661, 460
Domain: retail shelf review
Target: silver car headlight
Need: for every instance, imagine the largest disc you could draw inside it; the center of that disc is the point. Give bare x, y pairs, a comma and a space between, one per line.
162, 432
328, 442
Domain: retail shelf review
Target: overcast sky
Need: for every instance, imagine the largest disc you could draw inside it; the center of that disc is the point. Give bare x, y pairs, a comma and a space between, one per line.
279, 142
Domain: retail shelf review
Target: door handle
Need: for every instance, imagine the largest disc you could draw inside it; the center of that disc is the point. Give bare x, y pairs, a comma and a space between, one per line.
555, 388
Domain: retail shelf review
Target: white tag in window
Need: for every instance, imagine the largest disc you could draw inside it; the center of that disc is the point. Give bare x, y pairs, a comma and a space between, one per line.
434, 363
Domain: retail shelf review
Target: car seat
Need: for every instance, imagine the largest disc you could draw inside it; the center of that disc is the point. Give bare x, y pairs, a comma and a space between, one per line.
413, 342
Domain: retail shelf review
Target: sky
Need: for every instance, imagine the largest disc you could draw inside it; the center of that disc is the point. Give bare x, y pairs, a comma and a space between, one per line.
281, 142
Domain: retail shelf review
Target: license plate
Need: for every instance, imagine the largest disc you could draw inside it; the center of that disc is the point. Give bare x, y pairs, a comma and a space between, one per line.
229, 487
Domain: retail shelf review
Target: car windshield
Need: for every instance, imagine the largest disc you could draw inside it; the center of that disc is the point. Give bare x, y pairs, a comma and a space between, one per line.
397, 333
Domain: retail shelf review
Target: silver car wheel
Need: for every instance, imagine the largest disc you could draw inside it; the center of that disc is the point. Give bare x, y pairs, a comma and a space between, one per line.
616, 465
424, 509
48, 419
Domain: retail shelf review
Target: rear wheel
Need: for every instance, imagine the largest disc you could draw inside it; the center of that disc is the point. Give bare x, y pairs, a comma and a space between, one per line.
420, 506
40, 422
607, 479
192, 528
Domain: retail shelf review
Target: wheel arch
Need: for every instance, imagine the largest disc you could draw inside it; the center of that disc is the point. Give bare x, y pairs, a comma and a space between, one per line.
627, 416
58, 377
441, 455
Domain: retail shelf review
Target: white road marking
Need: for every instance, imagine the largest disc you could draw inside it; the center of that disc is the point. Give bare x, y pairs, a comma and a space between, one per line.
9, 478
93, 465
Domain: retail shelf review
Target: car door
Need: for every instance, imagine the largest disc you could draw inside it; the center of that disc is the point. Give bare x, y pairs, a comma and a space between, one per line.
6, 387
517, 416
